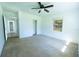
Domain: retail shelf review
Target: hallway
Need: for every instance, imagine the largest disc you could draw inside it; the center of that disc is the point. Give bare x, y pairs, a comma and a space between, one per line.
38, 46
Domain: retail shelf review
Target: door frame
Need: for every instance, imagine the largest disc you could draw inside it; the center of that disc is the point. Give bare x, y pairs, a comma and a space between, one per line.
5, 38
35, 27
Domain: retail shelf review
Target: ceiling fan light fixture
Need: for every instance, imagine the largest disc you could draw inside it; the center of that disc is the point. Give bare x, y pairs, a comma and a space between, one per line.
42, 7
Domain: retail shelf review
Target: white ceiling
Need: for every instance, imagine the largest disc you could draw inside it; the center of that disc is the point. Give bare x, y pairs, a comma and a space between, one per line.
27, 7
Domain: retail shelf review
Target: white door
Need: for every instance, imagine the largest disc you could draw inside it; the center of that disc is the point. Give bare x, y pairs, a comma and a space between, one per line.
11, 27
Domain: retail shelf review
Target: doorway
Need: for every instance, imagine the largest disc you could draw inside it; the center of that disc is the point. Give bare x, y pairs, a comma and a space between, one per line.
11, 24
35, 27
12, 29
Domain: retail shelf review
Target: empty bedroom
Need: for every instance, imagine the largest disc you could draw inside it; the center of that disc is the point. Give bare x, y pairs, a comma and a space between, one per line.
39, 29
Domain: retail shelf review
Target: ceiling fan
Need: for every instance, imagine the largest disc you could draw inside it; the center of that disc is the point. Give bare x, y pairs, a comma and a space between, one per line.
43, 7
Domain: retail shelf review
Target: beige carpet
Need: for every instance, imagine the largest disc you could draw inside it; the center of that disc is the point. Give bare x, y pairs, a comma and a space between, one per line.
38, 46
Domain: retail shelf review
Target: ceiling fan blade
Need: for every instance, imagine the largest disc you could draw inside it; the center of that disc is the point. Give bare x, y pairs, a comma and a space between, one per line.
46, 10
39, 11
48, 6
35, 8
39, 3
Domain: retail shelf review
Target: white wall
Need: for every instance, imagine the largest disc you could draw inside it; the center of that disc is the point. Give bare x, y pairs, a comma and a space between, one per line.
26, 24
1, 32
69, 13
